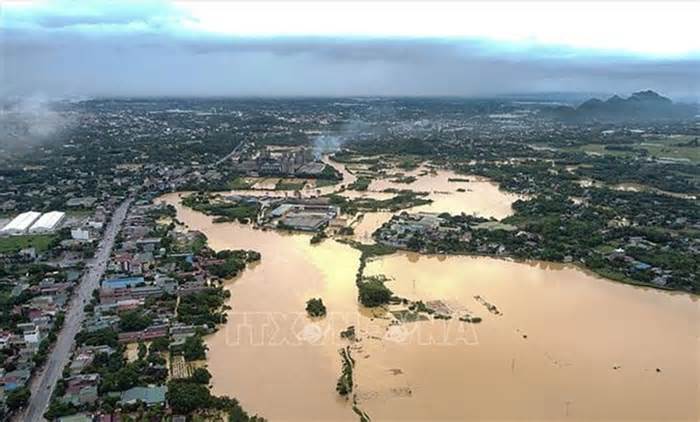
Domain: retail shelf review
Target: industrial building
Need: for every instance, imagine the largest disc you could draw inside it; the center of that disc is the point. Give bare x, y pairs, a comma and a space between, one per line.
21, 223
305, 222
303, 214
47, 222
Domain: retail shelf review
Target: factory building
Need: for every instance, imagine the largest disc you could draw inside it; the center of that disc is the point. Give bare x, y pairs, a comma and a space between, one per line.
47, 222
21, 223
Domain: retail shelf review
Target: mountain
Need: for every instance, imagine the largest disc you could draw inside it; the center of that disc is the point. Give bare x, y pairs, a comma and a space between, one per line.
640, 106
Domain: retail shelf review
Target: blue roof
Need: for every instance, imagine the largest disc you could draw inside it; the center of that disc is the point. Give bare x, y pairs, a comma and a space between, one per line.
148, 395
642, 266
117, 283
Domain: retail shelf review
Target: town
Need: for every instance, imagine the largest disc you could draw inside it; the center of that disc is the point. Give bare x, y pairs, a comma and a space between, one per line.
95, 257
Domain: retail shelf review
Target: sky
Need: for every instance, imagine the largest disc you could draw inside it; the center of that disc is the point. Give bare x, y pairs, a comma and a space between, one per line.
65, 48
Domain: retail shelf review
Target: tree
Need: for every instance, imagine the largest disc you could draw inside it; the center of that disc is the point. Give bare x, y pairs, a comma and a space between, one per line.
105, 336
58, 408
201, 376
133, 321
373, 293
194, 348
18, 398
315, 307
161, 344
143, 351
186, 397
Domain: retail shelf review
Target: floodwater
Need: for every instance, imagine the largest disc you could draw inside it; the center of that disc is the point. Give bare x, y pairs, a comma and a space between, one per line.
569, 345
263, 356
479, 196
367, 224
476, 196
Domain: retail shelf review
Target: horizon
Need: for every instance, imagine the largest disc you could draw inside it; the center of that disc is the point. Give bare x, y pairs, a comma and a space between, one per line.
553, 96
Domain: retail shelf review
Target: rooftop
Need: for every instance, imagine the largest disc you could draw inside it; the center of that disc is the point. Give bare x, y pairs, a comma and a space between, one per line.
148, 395
48, 221
21, 222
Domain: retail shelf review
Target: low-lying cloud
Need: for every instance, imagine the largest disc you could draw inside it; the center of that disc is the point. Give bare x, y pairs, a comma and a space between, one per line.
29, 121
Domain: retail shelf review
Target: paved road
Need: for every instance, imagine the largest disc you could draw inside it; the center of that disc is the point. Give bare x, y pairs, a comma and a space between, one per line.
43, 383
235, 151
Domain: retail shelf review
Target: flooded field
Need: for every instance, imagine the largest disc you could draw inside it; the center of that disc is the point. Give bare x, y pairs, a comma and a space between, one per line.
568, 344
478, 196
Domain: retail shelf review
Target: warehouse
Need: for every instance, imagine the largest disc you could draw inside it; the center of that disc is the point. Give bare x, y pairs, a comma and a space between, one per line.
47, 222
21, 223
305, 222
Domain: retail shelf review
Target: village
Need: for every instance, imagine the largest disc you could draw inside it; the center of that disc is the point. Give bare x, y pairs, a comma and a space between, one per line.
143, 331
144, 324
42, 259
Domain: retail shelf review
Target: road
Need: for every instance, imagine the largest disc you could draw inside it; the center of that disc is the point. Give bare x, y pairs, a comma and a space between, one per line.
44, 381
235, 151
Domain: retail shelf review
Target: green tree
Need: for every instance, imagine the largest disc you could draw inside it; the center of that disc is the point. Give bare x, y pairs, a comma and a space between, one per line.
373, 293
18, 398
134, 321
315, 307
194, 348
143, 351
186, 397
201, 376
160, 344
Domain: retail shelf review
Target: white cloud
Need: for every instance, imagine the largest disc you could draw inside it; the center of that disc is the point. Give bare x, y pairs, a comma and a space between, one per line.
637, 27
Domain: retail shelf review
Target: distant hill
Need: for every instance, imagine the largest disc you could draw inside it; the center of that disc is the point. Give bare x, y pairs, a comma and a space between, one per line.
640, 106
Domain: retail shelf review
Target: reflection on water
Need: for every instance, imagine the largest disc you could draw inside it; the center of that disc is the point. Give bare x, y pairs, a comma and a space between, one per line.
567, 345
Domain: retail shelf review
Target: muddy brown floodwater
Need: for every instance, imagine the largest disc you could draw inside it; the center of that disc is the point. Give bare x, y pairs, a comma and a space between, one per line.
479, 196
568, 344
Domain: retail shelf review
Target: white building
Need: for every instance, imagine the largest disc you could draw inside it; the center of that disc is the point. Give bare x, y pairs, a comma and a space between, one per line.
33, 336
47, 222
21, 223
80, 234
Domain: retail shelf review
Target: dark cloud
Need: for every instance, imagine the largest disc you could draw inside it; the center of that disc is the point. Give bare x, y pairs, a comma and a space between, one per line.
149, 61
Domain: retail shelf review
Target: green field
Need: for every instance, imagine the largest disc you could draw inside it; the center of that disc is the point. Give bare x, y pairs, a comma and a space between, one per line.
239, 183
658, 147
290, 185
326, 182
15, 243
667, 149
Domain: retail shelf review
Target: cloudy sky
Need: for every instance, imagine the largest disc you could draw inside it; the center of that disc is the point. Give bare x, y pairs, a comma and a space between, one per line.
267, 48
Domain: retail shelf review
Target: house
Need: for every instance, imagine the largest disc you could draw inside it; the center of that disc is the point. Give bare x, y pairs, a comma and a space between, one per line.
150, 333
5, 337
80, 417
150, 396
81, 389
82, 360
32, 333
15, 379
148, 244
86, 202
640, 266
80, 234
122, 282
